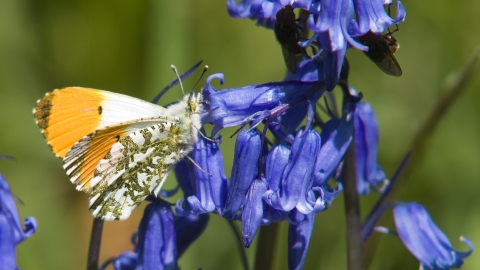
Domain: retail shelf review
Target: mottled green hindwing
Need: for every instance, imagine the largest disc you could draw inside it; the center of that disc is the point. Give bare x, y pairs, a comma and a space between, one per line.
133, 168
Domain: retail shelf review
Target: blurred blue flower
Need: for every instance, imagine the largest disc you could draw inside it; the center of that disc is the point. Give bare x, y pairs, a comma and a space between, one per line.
126, 261
369, 173
11, 231
425, 240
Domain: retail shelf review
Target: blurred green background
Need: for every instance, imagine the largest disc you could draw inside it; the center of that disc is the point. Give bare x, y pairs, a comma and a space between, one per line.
128, 47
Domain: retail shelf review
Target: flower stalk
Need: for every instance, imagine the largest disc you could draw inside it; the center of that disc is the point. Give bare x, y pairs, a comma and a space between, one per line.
95, 243
352, 211
267, 241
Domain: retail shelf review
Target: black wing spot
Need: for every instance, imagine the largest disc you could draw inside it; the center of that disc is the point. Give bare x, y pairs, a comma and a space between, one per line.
100, 109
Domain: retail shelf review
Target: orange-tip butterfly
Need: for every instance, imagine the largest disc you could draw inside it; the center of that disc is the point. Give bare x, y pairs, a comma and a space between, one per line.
115, 147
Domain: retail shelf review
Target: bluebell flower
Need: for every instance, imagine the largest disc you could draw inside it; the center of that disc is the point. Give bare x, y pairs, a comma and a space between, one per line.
127, 260
157, 247
298, 240
253, 210
238, 106
416, 230
369, 173
425, 240
11, 231
206, 190
157, 243
244, 171
297, 177
371, 16
337, 134
335, 24
189, 229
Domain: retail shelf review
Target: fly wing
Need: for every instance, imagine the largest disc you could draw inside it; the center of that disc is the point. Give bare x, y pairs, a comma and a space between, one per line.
389, 65
290, 59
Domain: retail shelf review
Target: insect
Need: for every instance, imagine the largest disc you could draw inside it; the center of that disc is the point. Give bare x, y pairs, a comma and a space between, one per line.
287, 33
381, 51
115, 147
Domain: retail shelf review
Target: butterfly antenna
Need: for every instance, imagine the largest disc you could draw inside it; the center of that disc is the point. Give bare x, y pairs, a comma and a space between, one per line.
178, 77
175, 82
205, 68
198, 166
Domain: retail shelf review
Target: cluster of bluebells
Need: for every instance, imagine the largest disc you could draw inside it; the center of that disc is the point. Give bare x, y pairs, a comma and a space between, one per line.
336, 24
288, 155
11, 231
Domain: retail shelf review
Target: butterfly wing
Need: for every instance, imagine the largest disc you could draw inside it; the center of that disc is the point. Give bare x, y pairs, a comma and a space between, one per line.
135, 166
115, 147
67, 115
121, 165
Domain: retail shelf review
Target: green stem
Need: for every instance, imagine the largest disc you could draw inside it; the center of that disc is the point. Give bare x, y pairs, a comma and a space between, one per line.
455, 87
238, 240
352, 211
95, 242
267, 242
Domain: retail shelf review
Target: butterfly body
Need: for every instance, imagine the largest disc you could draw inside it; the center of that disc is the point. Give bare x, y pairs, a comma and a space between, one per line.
117, 148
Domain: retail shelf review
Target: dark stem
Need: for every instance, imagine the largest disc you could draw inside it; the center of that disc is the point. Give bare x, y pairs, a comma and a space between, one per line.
455, 87
238, 240
267, 241
95, 241
452, 92
352, 211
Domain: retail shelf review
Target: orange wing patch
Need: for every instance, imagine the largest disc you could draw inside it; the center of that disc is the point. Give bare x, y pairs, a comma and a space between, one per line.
65, 116
84, 157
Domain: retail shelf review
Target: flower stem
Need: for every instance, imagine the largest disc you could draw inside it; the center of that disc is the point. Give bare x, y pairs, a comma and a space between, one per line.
352, 211
267, 241
455, 87
238, 240
95, 241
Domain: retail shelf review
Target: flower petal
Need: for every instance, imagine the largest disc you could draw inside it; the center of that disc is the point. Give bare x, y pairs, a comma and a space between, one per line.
425, 240
298, 174
210, 184
337, 134
369, 173
253, 211
244, 171
298, 241
276, 162
189, 229
157, 248
8, 257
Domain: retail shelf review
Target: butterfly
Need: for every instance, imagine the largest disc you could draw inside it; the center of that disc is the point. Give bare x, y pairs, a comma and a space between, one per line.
117, 148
